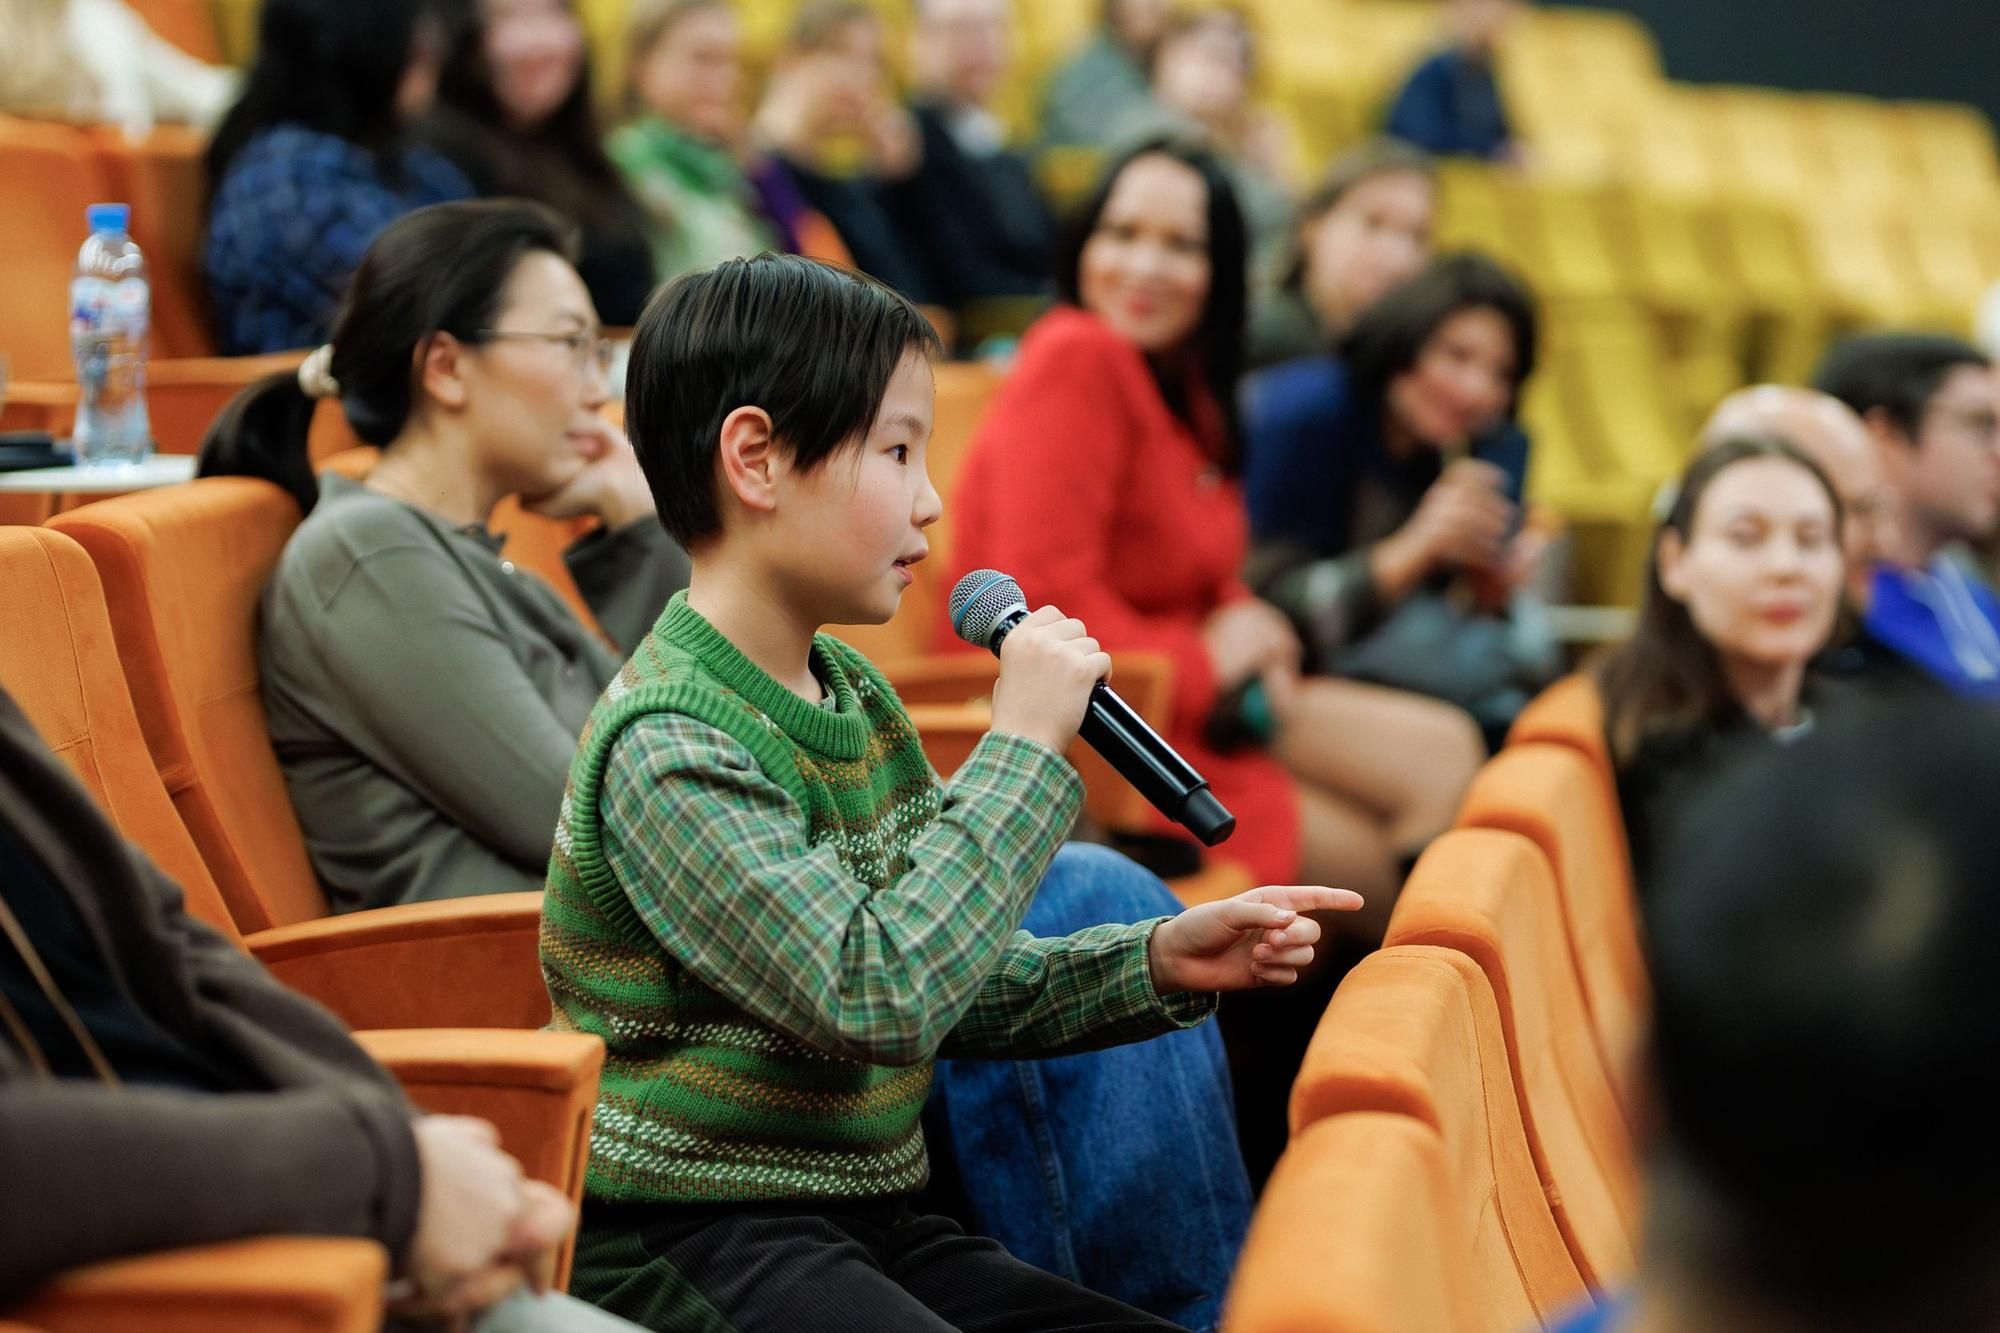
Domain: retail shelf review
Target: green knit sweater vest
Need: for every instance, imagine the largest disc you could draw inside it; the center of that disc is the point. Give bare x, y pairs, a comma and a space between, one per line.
700, 1102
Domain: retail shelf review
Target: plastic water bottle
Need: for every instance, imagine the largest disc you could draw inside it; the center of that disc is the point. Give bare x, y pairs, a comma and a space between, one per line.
110, 317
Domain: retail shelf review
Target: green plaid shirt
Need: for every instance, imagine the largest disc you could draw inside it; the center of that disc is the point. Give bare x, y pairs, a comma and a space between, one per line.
791, 919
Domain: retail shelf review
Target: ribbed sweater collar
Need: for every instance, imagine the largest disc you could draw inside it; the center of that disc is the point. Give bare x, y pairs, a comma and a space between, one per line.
840, 732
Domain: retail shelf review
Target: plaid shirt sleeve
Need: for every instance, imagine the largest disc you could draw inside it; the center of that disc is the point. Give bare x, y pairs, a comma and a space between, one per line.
713, 855
1078, 992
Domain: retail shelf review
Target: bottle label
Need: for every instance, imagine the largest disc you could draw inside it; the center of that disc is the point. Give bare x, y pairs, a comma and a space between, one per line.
103, 308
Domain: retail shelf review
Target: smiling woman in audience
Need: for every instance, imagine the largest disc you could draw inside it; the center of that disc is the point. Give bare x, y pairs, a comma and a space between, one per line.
1744, 591
424, 694
1105, 479
314, 160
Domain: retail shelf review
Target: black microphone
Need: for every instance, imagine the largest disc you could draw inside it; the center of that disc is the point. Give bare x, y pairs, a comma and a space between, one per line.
986, 605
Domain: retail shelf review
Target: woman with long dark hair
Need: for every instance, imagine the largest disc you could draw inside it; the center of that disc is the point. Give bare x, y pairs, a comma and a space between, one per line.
424, 695
313, 161
1105, 479
1385, 485
1744, 591
514, 114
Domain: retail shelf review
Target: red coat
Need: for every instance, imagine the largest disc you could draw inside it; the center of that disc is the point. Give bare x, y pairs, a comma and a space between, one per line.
1084, 486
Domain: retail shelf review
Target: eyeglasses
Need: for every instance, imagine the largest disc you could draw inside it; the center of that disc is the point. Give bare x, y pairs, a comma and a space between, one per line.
585, 349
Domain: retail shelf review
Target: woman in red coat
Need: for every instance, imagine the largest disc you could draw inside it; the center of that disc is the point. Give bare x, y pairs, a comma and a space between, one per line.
1104, 479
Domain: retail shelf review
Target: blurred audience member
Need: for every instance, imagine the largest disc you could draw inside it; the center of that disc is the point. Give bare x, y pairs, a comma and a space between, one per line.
1820, 951
144, 1047
424, 695
1103, 478
1099, 87
1385, 485
1203, 79
1365, 230
314, 161
96, 61
1743, 592
1932, 406
1827, 431
1450, 105
683, 148
970, 214
830, 118
514, 112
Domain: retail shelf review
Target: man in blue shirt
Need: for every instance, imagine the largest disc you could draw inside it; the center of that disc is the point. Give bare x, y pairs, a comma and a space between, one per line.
1932, 405
1450, 106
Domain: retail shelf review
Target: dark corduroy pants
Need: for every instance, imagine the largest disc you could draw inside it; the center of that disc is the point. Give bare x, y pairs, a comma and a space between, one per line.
860, 1267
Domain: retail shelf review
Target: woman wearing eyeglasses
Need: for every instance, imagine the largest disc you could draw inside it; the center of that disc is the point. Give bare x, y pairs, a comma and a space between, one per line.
423, 694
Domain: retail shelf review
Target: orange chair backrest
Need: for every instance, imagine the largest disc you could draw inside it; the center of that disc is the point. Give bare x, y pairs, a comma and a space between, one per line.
184, 569
1356, 1233
1416, 1032
1492, 897
61, 667
184, 395
1569, 712
188, 24
163, 176
1561, 802
52, 176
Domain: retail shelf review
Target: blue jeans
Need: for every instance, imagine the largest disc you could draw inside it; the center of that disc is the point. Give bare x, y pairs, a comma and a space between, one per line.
1118, 1169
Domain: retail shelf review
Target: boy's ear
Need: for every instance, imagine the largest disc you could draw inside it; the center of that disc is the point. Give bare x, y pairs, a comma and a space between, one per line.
750, 461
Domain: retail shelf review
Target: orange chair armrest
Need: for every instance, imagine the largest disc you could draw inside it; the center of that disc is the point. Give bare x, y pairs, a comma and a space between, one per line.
462, 962
299, 1284
538, 1088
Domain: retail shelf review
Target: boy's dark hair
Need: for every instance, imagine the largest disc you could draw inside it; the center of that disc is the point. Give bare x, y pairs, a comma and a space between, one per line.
1826, 1007
1897, 373
442, 269
812, 344
1218, 337
1390, 335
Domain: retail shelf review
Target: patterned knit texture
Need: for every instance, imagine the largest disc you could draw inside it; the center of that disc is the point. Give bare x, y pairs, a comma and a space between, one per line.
699, 1101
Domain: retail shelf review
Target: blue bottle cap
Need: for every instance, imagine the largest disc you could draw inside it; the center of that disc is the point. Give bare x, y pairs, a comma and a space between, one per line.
108, 217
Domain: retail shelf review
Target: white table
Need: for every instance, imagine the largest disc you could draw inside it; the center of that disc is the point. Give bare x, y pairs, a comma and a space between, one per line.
103, 479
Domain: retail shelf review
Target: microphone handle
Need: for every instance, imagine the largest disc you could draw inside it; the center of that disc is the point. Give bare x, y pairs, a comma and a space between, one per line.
1124, 740
1115, 730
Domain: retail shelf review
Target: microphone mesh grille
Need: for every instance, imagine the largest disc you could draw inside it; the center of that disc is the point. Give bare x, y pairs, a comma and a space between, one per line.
980, 601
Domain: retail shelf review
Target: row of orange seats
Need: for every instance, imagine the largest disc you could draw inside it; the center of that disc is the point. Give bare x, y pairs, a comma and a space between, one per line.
1462, 1151
116, 619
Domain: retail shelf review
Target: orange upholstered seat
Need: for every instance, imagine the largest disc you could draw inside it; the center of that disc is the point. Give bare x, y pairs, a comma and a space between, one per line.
52, 175
1492, 897
293, 1283
393, 968
1415, 1031
181, 571
1358, 1232
1569, 712
163, 176
1563, 803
